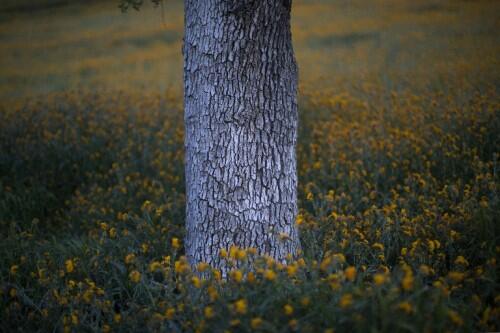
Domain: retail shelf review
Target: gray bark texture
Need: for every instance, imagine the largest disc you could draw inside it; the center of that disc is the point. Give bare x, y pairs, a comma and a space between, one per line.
240, 81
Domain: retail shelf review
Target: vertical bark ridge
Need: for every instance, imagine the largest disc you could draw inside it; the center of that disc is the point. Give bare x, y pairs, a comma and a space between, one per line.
241, 128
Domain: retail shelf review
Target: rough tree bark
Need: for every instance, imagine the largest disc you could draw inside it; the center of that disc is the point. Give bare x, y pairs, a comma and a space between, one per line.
240, 81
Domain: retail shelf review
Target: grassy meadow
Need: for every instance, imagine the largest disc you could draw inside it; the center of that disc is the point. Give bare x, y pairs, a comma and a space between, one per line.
399, 160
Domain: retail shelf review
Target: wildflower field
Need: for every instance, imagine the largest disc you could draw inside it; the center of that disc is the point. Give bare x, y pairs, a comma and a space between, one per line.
399, 160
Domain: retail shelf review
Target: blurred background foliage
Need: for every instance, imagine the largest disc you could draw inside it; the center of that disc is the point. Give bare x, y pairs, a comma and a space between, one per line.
399, 44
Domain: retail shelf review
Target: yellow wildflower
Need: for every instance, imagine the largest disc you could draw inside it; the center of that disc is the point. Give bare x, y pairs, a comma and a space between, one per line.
234, 322
212, 293
460, 260
455, 318
300, 219
270, 275
233, 251
345, 301
130, 258
251, 277
379, 279
288, 309
134, 276
154, 266
291, 270
240, 306
180, 266
202, 266
256, 322
241, 254
325, 263
209, 312
176, 243
236, 275
425, 270
339, 258
407, 282
196, 282
252, 250
170, 313
146, 205
70, 266
112, 232
350, 273
456, 276
87, 295
405, 307
14, 269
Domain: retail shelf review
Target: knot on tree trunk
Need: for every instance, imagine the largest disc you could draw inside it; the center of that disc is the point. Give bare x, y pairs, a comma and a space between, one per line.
242, 7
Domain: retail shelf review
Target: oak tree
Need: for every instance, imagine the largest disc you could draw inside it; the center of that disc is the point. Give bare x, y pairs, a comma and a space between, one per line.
240, 114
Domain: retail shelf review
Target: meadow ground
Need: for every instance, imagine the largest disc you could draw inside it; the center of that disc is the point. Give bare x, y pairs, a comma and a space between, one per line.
398, 174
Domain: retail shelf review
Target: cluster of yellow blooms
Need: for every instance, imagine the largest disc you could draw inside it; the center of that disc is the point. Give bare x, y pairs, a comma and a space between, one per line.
381, 231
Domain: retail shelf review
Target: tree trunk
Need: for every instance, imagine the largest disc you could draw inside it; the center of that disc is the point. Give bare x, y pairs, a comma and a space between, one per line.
240, 95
